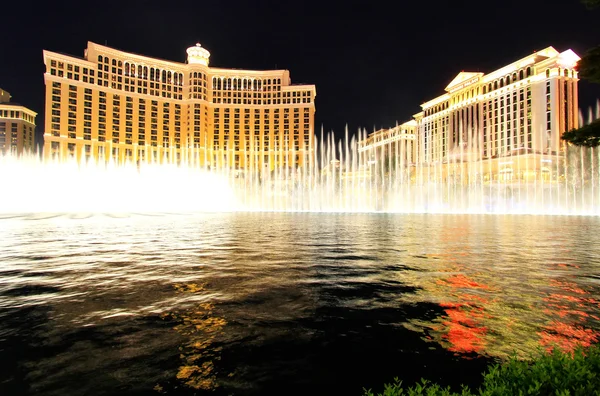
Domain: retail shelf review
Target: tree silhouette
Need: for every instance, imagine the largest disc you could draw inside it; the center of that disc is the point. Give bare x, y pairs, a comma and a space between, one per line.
589, 69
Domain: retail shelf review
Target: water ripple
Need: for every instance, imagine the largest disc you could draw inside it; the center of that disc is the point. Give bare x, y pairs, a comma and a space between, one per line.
244, 303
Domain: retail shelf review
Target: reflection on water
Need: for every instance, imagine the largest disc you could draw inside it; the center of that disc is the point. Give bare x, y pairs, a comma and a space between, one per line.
198, 354
251, 304
568, 310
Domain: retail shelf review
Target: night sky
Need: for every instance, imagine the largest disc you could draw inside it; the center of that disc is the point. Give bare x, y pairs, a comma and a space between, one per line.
373, 63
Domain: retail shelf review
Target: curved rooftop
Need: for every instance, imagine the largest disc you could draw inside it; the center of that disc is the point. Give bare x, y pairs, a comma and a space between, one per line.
198, 55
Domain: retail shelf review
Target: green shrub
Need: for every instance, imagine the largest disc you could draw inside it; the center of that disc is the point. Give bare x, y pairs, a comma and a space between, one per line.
557, 373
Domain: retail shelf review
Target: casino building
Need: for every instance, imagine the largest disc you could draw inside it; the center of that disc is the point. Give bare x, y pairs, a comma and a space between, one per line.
17, 127
115, 105
508, 121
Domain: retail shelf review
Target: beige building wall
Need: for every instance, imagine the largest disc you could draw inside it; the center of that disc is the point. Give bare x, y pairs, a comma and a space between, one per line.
17, 127
128, 107
509, 121
523, 107
399, 142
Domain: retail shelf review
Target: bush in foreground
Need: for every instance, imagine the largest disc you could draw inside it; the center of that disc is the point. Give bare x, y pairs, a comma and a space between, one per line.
557, 373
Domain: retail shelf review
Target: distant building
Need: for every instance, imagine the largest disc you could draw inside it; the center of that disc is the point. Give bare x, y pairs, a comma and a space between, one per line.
129, 107
510, 120
17, 126
399, 142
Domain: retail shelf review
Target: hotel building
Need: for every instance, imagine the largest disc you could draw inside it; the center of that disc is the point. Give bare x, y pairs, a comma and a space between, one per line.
398, 144
17, 127
126, 107
518, 111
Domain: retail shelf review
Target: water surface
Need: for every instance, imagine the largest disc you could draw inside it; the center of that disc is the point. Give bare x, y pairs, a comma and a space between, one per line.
274, 303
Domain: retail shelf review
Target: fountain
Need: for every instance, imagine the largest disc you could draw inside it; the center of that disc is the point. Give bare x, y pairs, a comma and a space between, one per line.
339, 178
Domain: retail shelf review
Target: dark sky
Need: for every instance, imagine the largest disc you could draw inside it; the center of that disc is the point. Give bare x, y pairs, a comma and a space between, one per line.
373, 62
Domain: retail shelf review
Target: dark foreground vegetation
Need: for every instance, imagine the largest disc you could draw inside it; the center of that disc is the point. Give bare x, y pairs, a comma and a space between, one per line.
557, 373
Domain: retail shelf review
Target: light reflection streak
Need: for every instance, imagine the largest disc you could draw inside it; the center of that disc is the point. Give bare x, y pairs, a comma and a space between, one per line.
487, 315
567, 311
200, 328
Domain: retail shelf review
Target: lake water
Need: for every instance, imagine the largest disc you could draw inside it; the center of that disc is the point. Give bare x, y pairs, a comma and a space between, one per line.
276, 303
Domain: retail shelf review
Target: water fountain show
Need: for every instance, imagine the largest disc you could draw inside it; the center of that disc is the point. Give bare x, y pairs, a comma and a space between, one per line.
345, 175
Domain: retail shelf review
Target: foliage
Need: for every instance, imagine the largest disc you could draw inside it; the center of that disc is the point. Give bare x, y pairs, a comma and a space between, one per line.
589, 69
591, 3
557, 373
589, 65
587, 135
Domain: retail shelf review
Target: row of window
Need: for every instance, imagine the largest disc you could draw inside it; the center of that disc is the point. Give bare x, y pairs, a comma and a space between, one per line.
246, 84
167, 91
16, 114
492, 86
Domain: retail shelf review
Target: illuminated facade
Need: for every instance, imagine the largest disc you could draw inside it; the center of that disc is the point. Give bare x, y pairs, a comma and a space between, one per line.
522, 107
399, 142
17, 126
113, 104
509, 119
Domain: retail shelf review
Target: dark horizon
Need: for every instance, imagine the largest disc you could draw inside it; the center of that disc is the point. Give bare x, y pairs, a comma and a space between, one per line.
373, 65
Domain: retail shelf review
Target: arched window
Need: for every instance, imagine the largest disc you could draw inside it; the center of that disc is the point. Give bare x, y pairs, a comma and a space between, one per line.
151, 74
176, 79
521, 74
120, 64
169, 77
514, 77
484, 89
547, 73
566, 73
140, 70
145, 72
164, 76
501, 82
495, 85
114, 62
180, 79
126, 69
529, 72
99, 58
